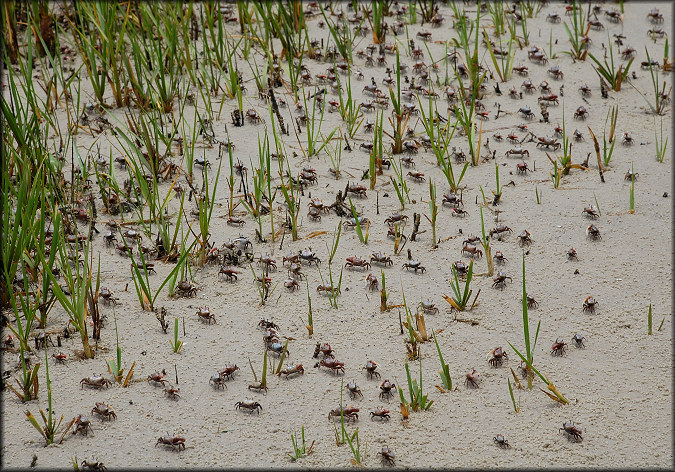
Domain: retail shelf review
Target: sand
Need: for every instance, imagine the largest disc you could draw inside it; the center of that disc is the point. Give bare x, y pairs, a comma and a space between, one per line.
619, 386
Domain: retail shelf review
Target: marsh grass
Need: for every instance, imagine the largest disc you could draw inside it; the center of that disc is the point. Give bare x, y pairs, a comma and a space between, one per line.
485, 242
175, 343
516, 408
363, 237
504, 66
577, 33
608, 71
78, 278
300, 451
141, 276
444, 371
631, 195
461, 298
418, 400
661, 145
310, 319
351, 439
433, 210
400, 184
658, 106
649, 321
50, 425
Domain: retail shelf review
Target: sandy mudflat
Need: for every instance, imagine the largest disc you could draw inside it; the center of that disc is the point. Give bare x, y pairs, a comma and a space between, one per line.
619, 386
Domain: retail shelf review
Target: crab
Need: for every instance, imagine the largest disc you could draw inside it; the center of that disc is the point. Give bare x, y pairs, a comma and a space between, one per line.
553, 18
522, 168
350, 413
525, 238
413, 264
186, 289
555, 72
501, 442
428, 307
109, 237
499, 257
518, 152
381, 258
229, 273
328, 289
105, 411
333, 364
276, 347
499, 280
558, 347
175, 442
132, 234
577, 135
459, 212
258, 386
591, 212
593, 232
596, 25
522, 70
381, 413
386, 388
395, 218
531, 302
526, 112
571, 429
268, 262
548, 142
157, 377
172, 392
452, 199
107, 296
229, 371
539, 56
496, 356
472, 378
82, 425
249, 405
60, 357
235, 221
370, 368
627, 140
572, 254
388, 455
291, 284
578, 340
292, 369
95, 381
309, 256
253, 116
204, 314
93, 465
417, 176
354, 390
549, 99
472, 250
585, 90
314, 214
217, 380
372, 283
655, 16
354, 261
581, 113
589, 305
357, 189
324, 349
